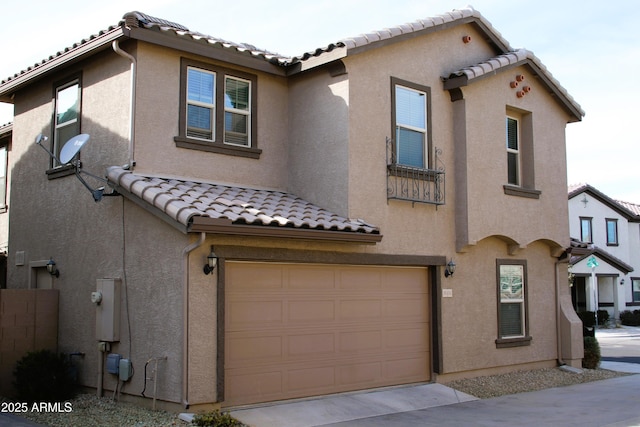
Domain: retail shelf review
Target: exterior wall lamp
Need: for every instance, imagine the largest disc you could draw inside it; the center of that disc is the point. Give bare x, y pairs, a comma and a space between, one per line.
212, 261
450, 269
52, 269
622, 282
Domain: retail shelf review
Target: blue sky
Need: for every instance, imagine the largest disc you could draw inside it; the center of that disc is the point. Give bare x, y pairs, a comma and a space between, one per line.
591, 47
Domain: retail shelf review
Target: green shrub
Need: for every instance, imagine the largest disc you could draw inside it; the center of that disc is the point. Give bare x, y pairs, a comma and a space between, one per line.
216, 419
630, 318
603, 317
588, 318
43, 376
591, 353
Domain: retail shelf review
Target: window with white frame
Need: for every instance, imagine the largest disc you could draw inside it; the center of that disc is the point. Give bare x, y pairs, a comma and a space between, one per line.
67, 115
237, 111
513, 150
411, 124
512, 303
586, 234
201, 107
218, 110
612, 232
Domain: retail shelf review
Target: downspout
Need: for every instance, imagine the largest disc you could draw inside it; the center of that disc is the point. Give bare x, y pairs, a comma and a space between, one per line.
185, 317
132, 103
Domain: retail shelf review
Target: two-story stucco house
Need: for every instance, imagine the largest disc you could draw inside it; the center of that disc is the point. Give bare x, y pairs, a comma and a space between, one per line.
612, 228
334, 191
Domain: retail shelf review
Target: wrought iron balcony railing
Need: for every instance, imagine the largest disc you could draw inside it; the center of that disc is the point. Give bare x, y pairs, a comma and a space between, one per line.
413, 184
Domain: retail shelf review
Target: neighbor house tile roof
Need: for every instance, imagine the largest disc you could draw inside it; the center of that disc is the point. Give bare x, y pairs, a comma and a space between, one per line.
184, 200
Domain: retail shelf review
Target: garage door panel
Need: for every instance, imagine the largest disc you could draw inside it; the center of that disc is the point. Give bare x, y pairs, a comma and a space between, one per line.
360, 309
360, 341
358, 278
247, 313
312, 338
311, 344
363, 373
312, 311
406, 338
255, 348
406, 368
310, 278
312, 379
263, 276
255, 385
406, 308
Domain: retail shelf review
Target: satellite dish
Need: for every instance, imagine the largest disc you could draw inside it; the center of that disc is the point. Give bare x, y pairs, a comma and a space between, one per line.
72, 147
68, 152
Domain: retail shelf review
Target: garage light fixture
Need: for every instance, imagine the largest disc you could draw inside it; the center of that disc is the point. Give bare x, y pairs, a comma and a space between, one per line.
450, 269
52, 269
212, 261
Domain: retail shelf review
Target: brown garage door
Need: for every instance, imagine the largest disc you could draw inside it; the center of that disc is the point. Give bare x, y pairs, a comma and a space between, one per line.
297, 330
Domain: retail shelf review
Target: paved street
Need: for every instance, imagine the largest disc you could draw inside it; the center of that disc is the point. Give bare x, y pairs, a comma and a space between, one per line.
619, 344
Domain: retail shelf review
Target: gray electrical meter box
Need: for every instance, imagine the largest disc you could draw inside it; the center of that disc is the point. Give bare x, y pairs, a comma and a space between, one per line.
107, 298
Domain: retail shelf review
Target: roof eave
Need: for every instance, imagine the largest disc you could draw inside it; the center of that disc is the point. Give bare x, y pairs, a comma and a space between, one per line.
458, 81
70, 56
204, 48
202, 224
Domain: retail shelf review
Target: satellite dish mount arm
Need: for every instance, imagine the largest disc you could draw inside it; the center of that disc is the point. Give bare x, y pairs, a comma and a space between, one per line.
68, 152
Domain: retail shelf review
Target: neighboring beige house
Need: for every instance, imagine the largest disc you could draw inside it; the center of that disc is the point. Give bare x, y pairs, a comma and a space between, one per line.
333, 189
612, 228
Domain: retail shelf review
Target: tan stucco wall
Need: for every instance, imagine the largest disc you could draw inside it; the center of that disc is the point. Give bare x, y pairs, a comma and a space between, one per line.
318, 139
59, 219
156, 152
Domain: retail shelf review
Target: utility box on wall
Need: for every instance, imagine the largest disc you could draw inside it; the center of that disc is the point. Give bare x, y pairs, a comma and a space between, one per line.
107, 298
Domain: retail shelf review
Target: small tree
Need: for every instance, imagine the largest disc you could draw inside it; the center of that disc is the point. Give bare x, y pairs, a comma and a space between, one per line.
591, 358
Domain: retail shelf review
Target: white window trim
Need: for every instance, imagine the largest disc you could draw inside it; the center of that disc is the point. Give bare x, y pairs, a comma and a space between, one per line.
246, 112
515, 151
57, 145
212, 106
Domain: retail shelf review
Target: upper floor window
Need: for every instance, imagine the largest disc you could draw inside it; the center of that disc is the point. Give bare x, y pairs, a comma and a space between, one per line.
513, 151
512, 303
586, 234
520, 170
218, 110
66, 116
612, 232
411, 123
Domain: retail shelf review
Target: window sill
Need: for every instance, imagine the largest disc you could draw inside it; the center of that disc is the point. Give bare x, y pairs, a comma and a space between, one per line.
513, 190
396, 169
513, 342
633, 304
61, 171
215, 147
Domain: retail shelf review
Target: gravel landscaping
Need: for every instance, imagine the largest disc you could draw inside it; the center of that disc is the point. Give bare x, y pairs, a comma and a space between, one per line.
89, 410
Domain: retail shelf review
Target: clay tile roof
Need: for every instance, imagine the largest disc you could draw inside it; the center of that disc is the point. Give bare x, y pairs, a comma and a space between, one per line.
489, 67
182, 200
633, 207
